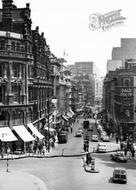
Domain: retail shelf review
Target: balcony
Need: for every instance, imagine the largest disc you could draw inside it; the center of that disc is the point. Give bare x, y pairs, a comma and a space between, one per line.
20, 55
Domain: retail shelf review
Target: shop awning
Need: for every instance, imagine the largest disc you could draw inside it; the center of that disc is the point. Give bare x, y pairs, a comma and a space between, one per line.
35, 131
56, 122
71, 111
23, 133
65, 117
49, 129
6, 135
69, 114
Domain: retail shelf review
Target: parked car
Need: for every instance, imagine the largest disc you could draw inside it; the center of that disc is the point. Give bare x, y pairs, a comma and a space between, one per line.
105, 138
94, 138
99, 128
119, 157
101, 147
90, 128
120, 175
134, 144
78, 133
80, 129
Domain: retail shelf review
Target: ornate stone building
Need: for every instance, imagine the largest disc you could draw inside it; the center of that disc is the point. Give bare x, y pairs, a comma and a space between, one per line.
26, 85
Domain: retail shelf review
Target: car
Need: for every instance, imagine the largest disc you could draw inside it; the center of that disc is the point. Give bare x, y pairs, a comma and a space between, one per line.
101, 147
119, 157
80, 129
90, 128
105, 138
94, 138
120, 175
78, 133
134, 144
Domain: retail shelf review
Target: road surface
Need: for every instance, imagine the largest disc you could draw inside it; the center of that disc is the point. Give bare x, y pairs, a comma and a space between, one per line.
67, 173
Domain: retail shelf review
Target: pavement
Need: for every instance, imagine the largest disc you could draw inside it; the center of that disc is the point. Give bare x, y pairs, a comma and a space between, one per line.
20, 181
23, 181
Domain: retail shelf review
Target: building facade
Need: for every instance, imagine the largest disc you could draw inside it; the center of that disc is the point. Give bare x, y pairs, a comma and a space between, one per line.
120, 100
26, 85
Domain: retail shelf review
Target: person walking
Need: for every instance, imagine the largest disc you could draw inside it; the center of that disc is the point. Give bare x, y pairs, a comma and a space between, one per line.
71, 129
125, 150
88, 158
132, 151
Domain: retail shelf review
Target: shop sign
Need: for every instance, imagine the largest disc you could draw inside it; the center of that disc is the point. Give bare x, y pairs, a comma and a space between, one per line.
126, 92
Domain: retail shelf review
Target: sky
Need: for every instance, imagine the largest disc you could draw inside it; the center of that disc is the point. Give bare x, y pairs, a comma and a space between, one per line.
65, 24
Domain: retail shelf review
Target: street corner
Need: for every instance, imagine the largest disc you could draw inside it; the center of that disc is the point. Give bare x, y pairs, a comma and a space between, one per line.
20, 181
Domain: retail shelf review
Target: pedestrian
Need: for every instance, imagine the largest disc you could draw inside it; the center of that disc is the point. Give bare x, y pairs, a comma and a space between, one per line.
88, 158
71, 129
117, 139
35, 147
84, 147
132, 151
125, 150
1, 153
40, 147
87, 146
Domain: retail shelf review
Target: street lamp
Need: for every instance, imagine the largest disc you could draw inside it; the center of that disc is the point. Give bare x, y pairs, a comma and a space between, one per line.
48, 120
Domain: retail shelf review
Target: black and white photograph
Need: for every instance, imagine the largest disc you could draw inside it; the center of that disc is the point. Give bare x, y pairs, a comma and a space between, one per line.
67, 95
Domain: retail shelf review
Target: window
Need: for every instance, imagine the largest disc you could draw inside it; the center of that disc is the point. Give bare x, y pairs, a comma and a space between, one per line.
16, 93
2, 45
30, 94
126, 82
1, 70
30, 71
18, 117
3, 118
13, 46
15, 68
29, 115
18, 47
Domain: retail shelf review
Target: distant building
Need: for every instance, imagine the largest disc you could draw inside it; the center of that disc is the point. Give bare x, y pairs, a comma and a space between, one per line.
83, 83
98, 90
82, 68
112, 65
120, 100
126, 51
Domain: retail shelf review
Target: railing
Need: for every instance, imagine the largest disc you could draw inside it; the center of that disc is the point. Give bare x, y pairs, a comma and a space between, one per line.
6, 53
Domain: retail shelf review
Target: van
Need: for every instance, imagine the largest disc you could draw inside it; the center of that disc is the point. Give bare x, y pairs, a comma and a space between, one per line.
120, 175
63, 137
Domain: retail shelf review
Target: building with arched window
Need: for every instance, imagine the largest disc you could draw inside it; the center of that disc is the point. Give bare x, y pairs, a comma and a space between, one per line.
25, 75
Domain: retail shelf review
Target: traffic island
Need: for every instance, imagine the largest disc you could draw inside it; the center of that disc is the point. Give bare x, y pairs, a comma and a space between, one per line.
90, 168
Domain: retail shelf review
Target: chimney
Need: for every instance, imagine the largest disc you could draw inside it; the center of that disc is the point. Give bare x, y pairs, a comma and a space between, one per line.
7, 14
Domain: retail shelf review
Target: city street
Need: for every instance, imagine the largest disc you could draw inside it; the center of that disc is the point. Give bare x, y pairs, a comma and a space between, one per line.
63, 173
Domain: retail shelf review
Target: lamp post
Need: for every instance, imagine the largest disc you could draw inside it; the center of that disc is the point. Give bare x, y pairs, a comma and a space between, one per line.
48, 120
7, 163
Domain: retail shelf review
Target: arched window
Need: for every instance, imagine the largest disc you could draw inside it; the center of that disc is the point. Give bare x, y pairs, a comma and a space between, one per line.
13, 46
18, 117
126, 82
29, 115
3, 118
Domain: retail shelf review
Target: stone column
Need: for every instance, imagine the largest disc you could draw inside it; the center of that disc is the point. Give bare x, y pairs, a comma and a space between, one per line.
5, 71
20, 74
10, 95
24, 84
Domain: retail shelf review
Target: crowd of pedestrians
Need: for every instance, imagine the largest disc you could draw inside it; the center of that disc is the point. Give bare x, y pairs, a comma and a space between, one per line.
42, 146
128, 148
